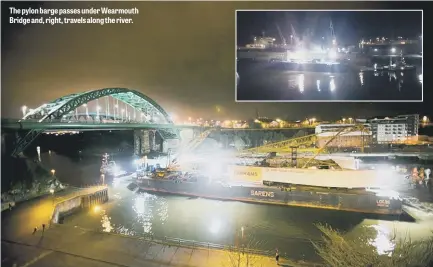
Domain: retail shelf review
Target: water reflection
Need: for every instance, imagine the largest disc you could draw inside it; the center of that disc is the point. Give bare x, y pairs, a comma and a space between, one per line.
301, 83
144, 210
106, 223
383, 241
219, 222
332, 84
304, 85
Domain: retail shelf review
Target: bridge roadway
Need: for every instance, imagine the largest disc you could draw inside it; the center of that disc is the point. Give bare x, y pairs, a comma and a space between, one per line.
95, 126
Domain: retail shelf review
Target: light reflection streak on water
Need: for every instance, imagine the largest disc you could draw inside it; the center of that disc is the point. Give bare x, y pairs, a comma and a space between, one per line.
301, 83
382, 242
144, 211
318, 85
361, 78
420, 78
106, 223
332, 84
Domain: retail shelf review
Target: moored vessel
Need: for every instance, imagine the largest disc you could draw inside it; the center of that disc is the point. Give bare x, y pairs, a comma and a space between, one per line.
345, 190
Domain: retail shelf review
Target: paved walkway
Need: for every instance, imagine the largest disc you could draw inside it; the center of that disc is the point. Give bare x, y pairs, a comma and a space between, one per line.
33, 213
63, 245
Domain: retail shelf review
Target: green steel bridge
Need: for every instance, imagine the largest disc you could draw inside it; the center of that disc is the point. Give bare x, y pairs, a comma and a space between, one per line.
102, 109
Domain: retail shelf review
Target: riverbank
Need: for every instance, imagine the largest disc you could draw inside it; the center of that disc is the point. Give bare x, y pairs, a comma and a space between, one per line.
81, 246
13, 200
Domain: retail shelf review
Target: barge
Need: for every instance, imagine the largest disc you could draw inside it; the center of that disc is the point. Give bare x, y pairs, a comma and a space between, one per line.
289, 187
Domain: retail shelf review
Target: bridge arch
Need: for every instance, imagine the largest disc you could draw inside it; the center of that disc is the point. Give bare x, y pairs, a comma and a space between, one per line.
60, 107
56, 109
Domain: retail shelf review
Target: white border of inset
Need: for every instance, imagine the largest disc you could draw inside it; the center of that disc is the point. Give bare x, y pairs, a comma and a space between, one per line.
326, 101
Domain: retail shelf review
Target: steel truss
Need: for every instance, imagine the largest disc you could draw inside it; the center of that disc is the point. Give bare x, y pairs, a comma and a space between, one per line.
62, 107
302, 143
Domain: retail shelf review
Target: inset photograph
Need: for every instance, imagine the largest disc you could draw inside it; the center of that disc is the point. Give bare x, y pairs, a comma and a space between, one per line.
322, 56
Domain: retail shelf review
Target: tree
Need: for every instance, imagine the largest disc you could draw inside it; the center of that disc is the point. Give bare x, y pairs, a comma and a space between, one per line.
340, 251
245, 253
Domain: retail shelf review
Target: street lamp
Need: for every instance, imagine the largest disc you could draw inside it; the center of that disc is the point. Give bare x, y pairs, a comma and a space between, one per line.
52, 194
24, 110
53, 172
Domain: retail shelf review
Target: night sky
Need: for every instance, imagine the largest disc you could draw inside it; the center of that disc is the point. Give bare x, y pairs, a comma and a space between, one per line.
349, 26
181, 54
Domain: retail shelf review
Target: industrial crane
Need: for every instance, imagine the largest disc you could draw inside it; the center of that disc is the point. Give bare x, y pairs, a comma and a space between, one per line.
355, 128
308, 143
333, 39
191, 146
305, 144
281, 35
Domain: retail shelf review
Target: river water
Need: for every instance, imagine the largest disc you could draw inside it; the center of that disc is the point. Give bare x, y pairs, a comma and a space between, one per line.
220, 222
258, 81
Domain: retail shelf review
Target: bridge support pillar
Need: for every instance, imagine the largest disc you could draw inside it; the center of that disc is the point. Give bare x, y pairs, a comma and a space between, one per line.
152, 140
137, 142
145, 142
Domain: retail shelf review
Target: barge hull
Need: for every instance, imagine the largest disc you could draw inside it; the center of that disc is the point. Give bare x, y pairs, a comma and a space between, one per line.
363, 203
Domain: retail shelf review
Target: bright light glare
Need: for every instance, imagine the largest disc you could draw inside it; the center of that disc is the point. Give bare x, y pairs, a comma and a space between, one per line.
375, 50
215, 227
332, 54
96, 209
393, 50
318, 85
385, 193
420, 78
139, 206
300, 54
382, 242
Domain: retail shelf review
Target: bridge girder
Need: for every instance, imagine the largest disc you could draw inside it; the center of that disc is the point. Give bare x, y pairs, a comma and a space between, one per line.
56, 109
61, 107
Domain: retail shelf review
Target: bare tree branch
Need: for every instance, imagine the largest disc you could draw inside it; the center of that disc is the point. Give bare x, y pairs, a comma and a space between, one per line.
339, 251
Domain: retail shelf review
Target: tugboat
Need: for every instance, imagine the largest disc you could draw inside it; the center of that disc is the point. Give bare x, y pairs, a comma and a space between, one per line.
399, 65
